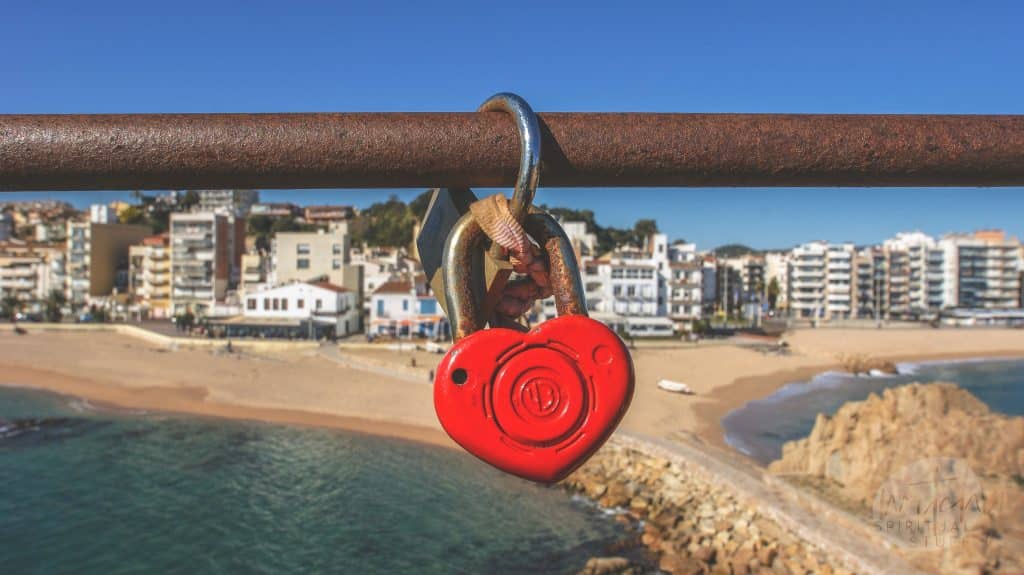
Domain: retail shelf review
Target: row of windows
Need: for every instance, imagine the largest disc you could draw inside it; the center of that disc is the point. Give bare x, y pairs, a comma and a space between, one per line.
632, 274
304, 249
280, 304
303, 264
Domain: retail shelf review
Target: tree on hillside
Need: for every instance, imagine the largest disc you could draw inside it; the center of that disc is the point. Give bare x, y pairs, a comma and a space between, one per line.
264, 228
420, 204
388, 224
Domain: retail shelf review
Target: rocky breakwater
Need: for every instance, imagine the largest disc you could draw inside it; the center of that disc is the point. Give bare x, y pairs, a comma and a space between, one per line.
685, 522
970, 460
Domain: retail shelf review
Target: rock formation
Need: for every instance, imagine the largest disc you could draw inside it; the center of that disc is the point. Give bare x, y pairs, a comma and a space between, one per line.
869, 442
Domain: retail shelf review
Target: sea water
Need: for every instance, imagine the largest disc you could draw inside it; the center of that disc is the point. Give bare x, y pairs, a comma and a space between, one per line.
92, 491
762, 426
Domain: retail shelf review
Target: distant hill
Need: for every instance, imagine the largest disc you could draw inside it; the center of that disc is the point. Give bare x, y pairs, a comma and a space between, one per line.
733, 250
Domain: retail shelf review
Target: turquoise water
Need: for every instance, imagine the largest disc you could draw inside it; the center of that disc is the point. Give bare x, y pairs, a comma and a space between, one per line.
761, 427
87, 491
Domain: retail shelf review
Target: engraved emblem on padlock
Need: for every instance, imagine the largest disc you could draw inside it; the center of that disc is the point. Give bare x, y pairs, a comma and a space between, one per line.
536, 404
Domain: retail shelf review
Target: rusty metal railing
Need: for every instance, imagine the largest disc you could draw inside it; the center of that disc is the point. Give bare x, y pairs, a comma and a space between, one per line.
82, 152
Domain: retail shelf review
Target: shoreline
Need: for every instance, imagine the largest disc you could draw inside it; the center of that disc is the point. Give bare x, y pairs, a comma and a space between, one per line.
760, 387
192, 401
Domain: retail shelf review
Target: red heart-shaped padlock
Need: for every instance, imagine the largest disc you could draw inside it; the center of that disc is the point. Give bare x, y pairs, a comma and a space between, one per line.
535, 404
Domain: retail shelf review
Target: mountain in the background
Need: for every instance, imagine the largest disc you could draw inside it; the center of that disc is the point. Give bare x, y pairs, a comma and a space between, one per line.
734, 250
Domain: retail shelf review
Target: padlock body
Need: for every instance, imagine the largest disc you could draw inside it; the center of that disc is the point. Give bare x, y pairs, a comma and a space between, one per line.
535, 404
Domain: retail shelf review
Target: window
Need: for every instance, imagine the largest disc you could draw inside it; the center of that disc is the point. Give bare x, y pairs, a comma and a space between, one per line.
335, 264
266, 304
319, 304
617, 290
302, 249
302, 263
284, 304
631, 290
300, 303
250, 303
380, 308
277, 304
617, 274
336, 249
405, 305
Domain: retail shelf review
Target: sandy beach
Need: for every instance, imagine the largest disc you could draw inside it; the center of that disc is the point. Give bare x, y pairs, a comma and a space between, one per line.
350, 388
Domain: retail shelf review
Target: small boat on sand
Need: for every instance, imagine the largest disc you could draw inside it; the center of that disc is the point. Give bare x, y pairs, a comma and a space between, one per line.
675, 387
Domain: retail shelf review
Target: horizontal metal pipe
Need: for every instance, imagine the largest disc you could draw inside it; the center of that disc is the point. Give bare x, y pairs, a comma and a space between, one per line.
84, 152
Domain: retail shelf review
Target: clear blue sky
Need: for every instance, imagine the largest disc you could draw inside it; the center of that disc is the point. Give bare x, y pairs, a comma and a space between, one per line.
843, 57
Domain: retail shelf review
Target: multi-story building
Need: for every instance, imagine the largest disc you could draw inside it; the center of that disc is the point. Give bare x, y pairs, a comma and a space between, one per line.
630, 288
821, 280
304, 256
150, 277
6, 226
235, 203
97, 259
255, 269
871, 283
776, 269
329, 214
988, 269
30, 272
404, 308
102, 214
908, 273
205, 255
684, 285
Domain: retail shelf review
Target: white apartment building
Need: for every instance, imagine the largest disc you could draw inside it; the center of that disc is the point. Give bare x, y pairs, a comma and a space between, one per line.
821, 280
638, 291
908, 273
685, 285
30, 272
150, 278
202, 257
404, 308
102, 214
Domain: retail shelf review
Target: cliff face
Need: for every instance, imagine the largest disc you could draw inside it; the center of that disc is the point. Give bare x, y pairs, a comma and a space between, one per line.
867, 443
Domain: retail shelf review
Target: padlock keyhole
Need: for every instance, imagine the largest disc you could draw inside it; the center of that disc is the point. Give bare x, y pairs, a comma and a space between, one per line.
459, 376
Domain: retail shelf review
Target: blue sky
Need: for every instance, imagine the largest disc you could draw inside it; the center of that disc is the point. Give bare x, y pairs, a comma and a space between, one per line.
842, 57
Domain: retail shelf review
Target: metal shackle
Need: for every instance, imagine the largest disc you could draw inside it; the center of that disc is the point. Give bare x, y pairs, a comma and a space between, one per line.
464, 271
528, 128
